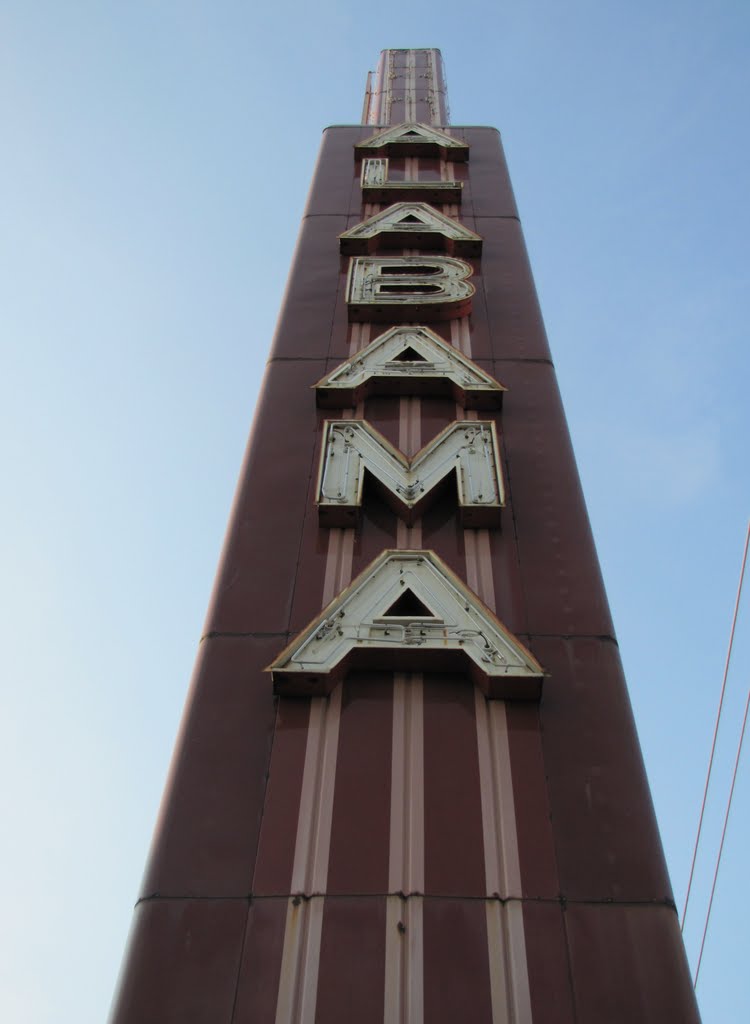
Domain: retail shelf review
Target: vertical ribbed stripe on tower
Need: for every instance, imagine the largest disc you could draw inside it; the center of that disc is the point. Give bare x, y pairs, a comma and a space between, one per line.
409, 85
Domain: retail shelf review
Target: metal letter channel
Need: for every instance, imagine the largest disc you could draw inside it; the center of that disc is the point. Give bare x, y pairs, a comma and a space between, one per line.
408, 288
467, 448
378, 188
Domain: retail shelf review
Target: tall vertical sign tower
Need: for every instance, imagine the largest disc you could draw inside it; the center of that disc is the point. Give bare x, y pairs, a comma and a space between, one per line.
407, 786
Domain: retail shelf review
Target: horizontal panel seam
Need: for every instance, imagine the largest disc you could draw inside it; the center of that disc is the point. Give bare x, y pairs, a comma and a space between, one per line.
561, 901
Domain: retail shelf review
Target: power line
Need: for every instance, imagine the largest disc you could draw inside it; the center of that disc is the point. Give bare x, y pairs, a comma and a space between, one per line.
723, 836
713, 742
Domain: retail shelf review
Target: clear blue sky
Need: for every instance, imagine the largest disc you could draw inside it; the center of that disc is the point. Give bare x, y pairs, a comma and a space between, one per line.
156, 158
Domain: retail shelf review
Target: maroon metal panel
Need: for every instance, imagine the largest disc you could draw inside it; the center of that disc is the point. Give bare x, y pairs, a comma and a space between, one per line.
488, 191
340, 330
397, 169
547, 958
606, 842
481, 338
362, 796
628, 964
278, 834
510, 596
536, 851
261, 963
182, 963
561, 575
335, 186
311, 542
436, 414
456, 962
304, 326
207, 832
442, 532
378, 531
351, 978
454, 852
383, 412
514, 320
256, 578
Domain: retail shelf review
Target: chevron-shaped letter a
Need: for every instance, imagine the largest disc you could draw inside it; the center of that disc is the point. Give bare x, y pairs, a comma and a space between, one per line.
407, 612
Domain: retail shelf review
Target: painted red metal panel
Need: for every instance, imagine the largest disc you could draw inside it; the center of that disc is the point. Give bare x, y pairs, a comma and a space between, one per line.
340, 329
305, 320
442, 532
481, 338
383, 412
261, 963
362, 796
335, 186
352, 962
510, 595
436, 413
536, 850
606, 840
627, 964
312, 555
256, 577
310, 543
456, 962
488, 191
561, 575
182, 963
513, 315
454, 852
396, 168
547, 958
207, 833
278, 834
378, 531
430, 169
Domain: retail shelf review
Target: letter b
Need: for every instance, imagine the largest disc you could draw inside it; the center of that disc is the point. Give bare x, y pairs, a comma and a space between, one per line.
408, 288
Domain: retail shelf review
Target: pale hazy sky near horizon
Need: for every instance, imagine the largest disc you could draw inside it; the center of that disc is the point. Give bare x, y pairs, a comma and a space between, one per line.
156, 161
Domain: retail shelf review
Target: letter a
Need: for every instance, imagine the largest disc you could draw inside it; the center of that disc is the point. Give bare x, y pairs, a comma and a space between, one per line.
407, 612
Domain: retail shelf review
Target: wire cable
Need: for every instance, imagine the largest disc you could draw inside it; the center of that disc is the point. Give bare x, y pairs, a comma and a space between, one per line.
716, 730
723, 836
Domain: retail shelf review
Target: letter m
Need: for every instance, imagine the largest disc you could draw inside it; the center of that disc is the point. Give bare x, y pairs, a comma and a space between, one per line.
467, 450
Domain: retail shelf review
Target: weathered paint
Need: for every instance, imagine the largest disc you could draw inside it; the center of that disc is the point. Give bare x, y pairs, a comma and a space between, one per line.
404, 849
